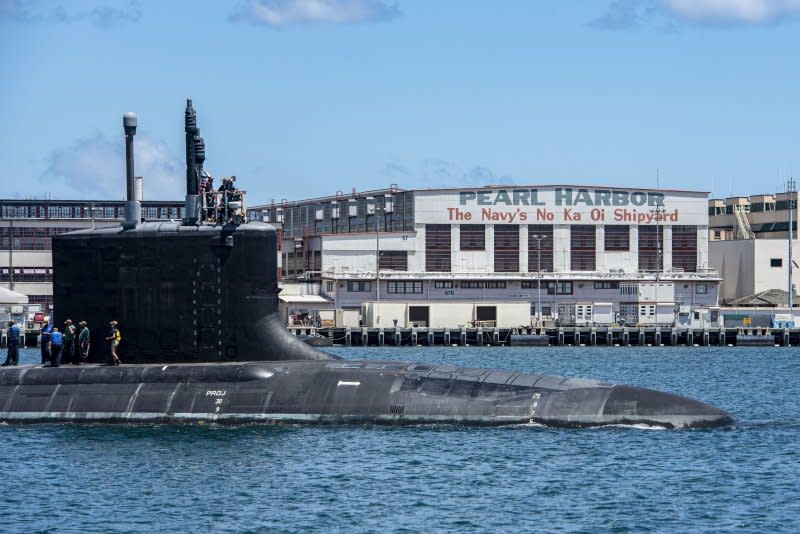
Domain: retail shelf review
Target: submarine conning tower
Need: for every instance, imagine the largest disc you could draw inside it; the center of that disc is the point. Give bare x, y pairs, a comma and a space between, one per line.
182, 291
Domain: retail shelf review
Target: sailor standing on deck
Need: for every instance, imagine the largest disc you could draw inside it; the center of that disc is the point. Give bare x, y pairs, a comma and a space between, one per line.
56, 346
114, 338
47, 329
13, 344
84, 341
69, 342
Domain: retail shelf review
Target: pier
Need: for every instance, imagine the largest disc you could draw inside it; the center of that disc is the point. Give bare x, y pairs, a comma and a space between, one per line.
558, 336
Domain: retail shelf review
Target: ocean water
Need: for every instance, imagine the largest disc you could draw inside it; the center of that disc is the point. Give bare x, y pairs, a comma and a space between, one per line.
119, 478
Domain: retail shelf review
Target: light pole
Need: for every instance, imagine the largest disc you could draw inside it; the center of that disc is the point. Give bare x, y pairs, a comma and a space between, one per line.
658, 211
791, 191
377, 268
538, 238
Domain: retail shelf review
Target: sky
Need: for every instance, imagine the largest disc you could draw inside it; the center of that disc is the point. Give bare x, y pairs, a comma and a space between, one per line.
304, 98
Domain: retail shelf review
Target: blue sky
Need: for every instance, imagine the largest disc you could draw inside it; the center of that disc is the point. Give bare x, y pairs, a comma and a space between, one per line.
302, 98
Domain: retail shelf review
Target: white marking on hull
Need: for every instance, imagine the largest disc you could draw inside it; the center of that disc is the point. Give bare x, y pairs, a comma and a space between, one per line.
354, 383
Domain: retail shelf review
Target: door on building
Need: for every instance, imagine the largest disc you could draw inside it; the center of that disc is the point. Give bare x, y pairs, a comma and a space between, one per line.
628, 313
419, 315
566, 314
584, 313
486, 316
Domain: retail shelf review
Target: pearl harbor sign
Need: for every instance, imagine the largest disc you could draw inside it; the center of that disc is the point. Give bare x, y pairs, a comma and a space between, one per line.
561, 205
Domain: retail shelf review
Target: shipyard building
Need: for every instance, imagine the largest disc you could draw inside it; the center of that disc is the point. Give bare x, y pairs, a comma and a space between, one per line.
496, 256
749, 247
26, 230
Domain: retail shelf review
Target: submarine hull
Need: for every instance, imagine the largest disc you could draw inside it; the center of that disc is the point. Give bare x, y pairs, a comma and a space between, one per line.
197, 304
336, 391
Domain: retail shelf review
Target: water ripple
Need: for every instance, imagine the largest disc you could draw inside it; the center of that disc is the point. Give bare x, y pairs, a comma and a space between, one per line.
436, 478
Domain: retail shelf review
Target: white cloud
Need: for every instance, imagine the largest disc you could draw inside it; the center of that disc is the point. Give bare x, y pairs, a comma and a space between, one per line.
282, 13
98, 13
94, 168
666, 14
733, 11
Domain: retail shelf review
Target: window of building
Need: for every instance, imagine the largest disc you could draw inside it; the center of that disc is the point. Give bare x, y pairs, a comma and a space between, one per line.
476, 284
701, 289
506, 248
606, 285
359, 286
617, 238
443, 284
27, 274
393, 260
437, 247
401, 286
684, 248
531, 284
651, 242
776, 262
540, 247
628, 289
559, 288
329, 286
547, 311
473, 236
583, 244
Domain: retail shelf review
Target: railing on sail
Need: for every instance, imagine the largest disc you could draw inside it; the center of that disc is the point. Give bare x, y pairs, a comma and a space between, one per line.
223, 207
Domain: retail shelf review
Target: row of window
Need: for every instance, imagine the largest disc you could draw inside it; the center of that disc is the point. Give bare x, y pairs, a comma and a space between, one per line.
389, 212
552, 287
583, 246
87, 211
27, 274
408, 287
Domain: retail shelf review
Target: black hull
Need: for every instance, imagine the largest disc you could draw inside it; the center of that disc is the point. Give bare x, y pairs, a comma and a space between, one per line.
334, 392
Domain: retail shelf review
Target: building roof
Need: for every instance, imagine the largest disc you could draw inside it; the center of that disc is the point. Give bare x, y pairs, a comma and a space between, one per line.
768, 298
12, 297
305, 299
343, 197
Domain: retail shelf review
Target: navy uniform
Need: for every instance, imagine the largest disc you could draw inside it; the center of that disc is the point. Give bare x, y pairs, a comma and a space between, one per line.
13, 344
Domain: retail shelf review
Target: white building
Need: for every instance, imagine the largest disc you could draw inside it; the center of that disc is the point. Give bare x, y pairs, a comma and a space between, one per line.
750, 266
475, 256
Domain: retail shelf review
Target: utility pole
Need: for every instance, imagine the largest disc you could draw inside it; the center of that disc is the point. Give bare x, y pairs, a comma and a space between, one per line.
11, 254
658, 211
377, 267
538, 239
791, 192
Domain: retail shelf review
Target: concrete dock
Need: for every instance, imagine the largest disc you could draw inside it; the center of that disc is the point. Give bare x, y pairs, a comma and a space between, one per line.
558, 336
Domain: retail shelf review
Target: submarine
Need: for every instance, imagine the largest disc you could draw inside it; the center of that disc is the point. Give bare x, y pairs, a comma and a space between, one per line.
197, 304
